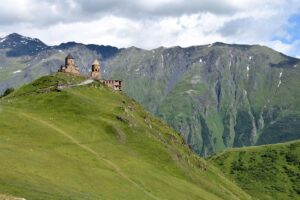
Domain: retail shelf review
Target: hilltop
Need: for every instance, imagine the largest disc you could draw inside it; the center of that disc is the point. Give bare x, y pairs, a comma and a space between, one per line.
90, 142
266, 172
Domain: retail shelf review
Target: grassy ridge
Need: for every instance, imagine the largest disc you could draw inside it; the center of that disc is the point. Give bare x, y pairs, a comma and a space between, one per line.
265, 172
88, 142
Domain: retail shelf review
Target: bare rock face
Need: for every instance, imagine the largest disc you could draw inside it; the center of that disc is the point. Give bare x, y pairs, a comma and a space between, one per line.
216, 96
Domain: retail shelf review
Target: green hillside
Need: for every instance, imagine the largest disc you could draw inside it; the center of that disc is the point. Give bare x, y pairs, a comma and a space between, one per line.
88, 142
265, 172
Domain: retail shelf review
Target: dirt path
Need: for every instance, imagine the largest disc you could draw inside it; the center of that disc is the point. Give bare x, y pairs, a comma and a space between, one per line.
85, 82
6, 197
88, 149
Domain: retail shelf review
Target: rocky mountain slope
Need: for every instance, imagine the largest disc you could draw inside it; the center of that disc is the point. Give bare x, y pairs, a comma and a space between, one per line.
89, 142
217, 96
266, 172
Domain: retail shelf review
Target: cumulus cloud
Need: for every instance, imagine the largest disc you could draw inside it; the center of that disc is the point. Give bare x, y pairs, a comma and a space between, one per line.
149, 24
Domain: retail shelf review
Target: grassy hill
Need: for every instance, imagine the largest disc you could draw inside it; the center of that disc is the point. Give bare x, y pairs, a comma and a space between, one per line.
265, 172
88, 142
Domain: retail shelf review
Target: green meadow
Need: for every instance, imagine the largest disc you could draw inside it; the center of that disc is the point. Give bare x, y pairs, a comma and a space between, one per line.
89, 142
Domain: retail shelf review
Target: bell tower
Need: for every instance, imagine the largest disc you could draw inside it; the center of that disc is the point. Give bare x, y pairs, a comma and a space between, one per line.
69, 60
96, 70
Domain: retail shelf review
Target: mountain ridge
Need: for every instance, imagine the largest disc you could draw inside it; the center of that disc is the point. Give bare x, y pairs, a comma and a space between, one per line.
217, 96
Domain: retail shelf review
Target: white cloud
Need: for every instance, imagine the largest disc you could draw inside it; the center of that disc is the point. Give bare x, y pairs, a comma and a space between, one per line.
149, 24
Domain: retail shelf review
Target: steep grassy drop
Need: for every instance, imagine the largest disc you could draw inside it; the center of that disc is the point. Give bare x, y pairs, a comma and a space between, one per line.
88, 142
265, 172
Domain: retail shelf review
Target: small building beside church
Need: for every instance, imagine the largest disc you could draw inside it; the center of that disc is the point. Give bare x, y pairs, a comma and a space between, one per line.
114, 84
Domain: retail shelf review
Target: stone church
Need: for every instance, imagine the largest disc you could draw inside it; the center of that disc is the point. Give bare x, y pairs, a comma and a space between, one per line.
96, 75
69, 66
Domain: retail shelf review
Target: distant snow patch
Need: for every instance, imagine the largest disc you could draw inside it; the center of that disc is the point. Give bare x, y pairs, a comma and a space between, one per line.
190, 91
18, 71
60, 51
245, 92
279, 83
2, 39
137, 70
250, 57
248, 68
210, 45
295, 66
24, 42
195, 79
200, 60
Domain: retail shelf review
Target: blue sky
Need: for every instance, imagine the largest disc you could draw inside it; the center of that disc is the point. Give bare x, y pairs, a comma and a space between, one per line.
293, 29
150, 24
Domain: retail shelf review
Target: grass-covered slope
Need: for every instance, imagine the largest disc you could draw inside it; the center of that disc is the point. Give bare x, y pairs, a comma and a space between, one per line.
265, 172
88, 142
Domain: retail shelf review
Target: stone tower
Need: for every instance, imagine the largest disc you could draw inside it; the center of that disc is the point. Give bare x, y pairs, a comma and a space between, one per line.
96, 70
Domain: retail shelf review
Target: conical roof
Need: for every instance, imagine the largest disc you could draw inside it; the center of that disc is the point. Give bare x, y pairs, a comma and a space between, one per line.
96, 62
69, 56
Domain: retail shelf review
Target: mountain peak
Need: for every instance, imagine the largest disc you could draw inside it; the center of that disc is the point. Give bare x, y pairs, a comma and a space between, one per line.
17, 37
14, 35
21, 45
